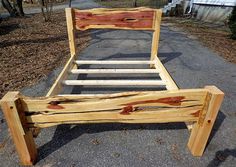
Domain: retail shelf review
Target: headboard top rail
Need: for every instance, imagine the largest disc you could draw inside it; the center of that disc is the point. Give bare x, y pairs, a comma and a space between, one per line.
120, 18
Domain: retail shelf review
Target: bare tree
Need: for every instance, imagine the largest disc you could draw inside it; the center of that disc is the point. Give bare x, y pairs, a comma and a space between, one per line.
134, 3
46, 8
17, 4
16, 9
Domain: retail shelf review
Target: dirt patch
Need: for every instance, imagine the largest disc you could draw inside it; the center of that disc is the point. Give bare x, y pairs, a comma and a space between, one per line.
31, 48
175, 152
215, 37
95, 142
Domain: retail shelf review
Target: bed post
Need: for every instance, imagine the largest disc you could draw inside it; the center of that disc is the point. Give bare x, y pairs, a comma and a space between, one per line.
56, 87
21, 135
70, 21
156, 34
202, 129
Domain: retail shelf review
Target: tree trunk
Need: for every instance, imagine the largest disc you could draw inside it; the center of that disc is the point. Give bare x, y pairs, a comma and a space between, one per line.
7, 5
19, 7
134, 3
16, 9
46, 8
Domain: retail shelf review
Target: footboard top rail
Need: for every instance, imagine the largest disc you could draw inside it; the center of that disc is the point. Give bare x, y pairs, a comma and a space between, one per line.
127, 107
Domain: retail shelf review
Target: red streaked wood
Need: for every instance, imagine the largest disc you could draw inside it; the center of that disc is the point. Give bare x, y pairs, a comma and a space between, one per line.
135, 19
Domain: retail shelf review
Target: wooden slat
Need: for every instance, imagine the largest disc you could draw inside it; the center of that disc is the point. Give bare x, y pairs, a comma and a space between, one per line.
75, 95
108, 71
162, 116
112, 62
115, 82
136, 19
153, 119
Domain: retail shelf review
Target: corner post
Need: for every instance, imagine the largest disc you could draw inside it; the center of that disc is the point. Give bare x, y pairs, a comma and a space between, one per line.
156, 34
70, 21
21, 135
202, 129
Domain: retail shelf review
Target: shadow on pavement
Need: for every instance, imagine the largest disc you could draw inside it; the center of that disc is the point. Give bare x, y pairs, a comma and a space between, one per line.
95, 34
221, 156
64, 133
219, 120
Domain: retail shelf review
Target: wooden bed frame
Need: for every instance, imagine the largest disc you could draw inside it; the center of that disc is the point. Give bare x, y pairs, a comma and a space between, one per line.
196, 106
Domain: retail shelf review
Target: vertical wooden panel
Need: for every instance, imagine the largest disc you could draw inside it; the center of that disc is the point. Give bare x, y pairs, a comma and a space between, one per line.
202, 129
156, 34
56, 88
21, 135
70, 20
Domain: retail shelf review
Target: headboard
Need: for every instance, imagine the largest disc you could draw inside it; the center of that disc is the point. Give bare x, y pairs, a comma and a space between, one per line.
125, 18
117, 18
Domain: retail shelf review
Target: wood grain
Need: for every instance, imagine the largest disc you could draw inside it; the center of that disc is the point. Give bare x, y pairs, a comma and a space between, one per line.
60, 104
70, 20
202, 129
164, 74
17, 123
115, 82
138, 19
113, 62
156, 35
128, 107
57, 86
137, 116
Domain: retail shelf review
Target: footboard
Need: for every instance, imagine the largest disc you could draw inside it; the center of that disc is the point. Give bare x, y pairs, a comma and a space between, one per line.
198, 105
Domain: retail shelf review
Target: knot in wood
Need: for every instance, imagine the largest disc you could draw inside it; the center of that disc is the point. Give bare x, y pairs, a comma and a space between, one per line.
54, 102
127, 110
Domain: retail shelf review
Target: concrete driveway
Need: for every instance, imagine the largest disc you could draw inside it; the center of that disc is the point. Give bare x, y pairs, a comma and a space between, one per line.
190, 64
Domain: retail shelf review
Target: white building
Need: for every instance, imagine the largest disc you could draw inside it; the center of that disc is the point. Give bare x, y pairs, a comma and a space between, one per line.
216, 11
